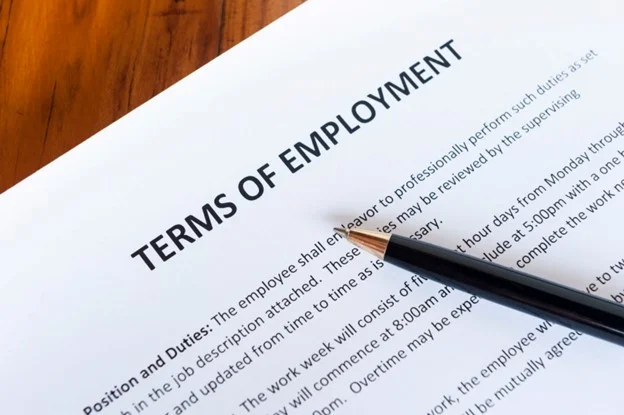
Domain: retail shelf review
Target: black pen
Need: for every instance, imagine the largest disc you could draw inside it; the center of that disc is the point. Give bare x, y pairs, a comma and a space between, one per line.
554, 302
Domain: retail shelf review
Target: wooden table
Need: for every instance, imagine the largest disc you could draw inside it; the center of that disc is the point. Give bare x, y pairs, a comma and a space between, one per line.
68, 68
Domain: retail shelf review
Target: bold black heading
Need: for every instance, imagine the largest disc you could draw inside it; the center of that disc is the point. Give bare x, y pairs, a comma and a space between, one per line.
193, 227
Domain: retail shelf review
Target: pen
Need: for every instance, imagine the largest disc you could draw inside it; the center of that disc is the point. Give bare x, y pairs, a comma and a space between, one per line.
506, 286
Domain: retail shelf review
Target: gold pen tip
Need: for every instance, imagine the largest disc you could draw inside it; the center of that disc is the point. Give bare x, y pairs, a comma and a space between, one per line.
341, 232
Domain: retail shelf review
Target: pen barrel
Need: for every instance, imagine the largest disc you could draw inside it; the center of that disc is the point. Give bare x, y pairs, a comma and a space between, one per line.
554, 302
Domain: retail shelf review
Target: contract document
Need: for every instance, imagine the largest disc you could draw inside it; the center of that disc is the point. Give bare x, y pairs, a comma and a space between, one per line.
183, 259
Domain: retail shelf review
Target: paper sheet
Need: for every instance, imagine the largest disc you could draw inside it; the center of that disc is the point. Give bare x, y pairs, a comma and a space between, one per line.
182, 261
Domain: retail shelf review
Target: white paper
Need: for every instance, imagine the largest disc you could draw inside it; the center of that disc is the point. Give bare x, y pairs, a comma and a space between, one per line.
81, 317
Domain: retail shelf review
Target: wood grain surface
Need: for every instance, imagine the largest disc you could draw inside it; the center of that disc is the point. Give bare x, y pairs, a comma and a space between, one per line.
68, 68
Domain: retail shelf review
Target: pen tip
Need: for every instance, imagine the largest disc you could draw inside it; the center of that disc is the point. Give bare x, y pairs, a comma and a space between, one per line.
341, 232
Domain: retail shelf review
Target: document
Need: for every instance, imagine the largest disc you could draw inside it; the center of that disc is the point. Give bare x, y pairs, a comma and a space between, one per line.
183, 260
